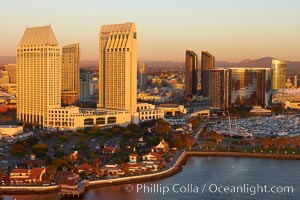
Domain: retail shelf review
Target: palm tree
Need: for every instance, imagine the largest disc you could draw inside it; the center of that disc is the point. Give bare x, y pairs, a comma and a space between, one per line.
97, 163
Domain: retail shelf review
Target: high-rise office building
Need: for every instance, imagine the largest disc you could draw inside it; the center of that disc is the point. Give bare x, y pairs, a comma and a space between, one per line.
207, 63
191, 70
12, 72
38, 75
278, 74
142, 75
249, 86
70, 84
118, 67
85, 79
218, 91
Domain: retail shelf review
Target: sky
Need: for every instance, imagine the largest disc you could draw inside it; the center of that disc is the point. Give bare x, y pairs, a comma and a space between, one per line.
232, 30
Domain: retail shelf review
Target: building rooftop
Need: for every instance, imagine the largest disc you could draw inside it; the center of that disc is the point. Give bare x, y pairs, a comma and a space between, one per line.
117, 27
38, 35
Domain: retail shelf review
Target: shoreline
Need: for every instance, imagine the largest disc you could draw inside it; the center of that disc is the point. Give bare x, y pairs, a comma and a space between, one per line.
174, 169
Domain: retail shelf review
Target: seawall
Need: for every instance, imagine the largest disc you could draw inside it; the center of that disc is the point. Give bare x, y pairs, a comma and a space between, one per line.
169, 171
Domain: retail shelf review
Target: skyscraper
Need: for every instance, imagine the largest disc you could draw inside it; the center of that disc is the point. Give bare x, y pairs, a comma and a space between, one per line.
142, 75
278, 74
191, 70
249, 86
118, 67
38, 75
70, 74
218, 91
207, 63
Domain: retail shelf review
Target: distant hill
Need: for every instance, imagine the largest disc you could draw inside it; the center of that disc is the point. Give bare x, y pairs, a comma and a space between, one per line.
171, 65
261, 62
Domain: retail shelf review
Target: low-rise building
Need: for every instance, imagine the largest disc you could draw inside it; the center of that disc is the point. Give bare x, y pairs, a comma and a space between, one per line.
161, 148
10, 130
148, 111
72, 118
172, 109
20, 176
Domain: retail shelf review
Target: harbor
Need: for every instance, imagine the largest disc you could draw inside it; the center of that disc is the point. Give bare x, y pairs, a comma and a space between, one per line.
257, 126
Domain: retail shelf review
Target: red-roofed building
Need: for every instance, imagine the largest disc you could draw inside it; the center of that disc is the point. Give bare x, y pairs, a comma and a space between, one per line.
109, 150
85, 167
33, 175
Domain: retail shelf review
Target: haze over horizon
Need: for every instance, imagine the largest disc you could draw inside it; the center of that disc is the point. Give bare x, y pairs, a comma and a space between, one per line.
231, 30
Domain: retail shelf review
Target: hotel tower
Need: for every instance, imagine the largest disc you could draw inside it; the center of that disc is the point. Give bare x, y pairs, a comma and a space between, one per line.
191, 72
38, 75
278, 74
118, 67
207, 63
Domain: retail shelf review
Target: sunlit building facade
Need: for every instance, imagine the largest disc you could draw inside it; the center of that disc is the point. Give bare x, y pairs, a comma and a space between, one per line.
249, 86
278, 74
38, 75
207, 63
142, 75
70, 84
118, 67
12, 72
218, 91
191, 69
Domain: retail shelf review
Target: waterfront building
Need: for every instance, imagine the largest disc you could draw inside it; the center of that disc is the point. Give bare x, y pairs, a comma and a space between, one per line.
25, 176
283, 95
142, 75
70, 85
38, 75
207, 63
278, 74
118, 67
249, 86
191, 70
218, 91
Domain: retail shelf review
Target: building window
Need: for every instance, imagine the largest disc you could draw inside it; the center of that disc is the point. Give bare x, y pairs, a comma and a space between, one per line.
100, 120
89, 121
111, 120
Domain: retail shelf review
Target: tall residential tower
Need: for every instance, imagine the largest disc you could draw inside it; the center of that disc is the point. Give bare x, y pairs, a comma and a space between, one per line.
118, 67
207, 63
191, 71
38, 75
278, 74
70, 84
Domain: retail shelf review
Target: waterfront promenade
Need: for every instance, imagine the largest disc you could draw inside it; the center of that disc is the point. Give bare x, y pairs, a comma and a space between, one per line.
171, 168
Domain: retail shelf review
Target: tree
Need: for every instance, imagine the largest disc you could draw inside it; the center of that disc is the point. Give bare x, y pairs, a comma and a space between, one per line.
280, 143
195, 121
162, 127
97, 163
18, 149
1, 175
51, 171
189, 141
40, 149
266, 142
216, 136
